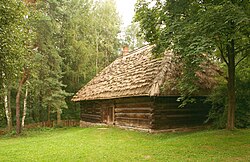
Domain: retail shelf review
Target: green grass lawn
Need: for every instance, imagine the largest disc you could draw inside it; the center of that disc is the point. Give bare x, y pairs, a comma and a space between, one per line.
113, 144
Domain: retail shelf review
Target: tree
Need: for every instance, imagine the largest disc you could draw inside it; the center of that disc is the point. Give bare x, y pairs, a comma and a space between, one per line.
24, 78
219, 28
106, 26
49, 69
14, 50
132, 37
88, 42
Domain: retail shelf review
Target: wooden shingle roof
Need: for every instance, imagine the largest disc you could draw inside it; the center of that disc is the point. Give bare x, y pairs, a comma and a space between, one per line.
135, 74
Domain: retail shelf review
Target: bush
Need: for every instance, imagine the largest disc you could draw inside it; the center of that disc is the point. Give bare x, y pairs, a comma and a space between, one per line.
218, 113
2, 117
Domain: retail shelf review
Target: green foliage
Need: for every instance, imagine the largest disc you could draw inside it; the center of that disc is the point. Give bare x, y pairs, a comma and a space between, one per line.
63, 43
218, 113
14, 39
217, 29
112, 144
132, 36
192, 28
15, 50
86, 48
46, 84
2, 117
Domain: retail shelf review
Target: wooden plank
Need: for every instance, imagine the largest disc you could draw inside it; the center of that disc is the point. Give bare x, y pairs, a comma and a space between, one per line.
134, 115
91, 120
134, 123
177, 116
134, 105
126, 118
133, 100
183, 121
91, 116
134, 110
164, 113
91, 112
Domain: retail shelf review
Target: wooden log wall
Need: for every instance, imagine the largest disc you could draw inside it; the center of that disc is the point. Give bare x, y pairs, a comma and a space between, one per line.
134, 112
167, 115
91, 112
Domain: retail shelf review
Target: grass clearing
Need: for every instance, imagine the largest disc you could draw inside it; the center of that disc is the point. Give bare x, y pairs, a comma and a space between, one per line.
113, 144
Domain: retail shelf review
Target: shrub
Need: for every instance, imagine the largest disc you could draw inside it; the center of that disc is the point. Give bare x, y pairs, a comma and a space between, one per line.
218, 113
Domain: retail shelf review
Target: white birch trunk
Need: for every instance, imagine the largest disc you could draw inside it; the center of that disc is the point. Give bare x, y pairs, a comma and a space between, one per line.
7, 108
24, 106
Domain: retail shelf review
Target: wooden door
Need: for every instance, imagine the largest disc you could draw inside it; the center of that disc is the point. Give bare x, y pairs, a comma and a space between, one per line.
108, 115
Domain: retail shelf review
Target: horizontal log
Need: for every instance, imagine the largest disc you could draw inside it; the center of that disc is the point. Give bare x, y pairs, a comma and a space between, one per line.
91, 112
91, 116
157, 113
132, 124
181, 109
134, 115
186, 116
174, 125
134, 110
166, 111
135, 119
91, 109
132, 100
182, 121
135, 105
91, 120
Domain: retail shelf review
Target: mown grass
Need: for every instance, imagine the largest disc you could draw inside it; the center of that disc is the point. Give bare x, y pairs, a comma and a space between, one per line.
113, 144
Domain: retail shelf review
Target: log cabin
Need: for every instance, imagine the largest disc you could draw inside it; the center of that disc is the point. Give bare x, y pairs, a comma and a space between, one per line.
139, 91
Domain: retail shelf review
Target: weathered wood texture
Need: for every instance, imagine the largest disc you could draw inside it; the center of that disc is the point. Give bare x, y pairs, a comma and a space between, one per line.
145, 112
131, 112
167, 115
134, 112
91, 112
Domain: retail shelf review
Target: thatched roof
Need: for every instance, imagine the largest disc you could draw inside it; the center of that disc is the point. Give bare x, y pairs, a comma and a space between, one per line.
135, 74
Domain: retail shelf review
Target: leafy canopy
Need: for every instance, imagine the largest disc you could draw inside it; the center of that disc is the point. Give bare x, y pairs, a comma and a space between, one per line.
194, 27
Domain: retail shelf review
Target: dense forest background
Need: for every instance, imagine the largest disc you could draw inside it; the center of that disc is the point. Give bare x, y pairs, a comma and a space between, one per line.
49, 50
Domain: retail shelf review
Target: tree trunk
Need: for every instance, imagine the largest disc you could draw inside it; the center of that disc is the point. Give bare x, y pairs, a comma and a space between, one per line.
24, 106
97, 51
58, 113
49, 116
49, 113
231, 87
8, 109
21, 83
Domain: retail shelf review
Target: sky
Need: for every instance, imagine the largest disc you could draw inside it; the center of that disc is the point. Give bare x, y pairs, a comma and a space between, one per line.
126, 10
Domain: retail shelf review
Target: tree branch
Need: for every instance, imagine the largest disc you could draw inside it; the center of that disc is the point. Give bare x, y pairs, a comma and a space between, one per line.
222, 54
241, 60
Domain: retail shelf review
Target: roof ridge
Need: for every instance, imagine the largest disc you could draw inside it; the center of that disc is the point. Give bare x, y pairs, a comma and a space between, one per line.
160, 78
